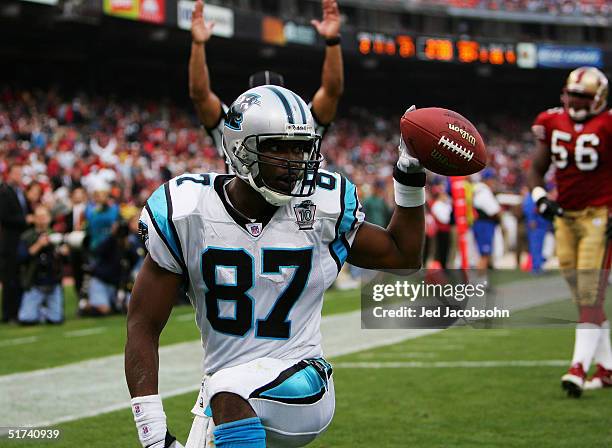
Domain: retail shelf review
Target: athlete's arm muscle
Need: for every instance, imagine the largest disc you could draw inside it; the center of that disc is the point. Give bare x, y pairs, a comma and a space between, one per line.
207, 104
399, 246
152, 299
540, 163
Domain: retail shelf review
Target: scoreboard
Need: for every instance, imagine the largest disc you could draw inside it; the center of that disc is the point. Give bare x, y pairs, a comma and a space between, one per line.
442, 49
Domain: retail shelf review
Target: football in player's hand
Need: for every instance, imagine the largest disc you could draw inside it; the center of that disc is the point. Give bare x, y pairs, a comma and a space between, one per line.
443, 141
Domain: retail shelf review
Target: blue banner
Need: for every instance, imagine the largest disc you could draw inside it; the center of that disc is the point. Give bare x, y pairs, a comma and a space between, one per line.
563, 56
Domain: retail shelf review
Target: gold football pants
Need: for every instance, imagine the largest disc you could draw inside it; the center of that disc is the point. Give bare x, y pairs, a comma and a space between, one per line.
581, 245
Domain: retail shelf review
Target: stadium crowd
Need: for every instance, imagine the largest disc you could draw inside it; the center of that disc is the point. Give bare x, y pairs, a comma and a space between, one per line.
601, 8
80, 170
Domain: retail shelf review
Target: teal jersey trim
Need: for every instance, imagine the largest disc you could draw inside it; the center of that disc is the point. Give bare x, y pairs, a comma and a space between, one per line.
346, 221
302, 384
160, 210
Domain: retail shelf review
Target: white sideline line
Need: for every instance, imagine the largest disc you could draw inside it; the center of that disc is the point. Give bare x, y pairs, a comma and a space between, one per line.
398, 355
18, 341
451, 364
85, 332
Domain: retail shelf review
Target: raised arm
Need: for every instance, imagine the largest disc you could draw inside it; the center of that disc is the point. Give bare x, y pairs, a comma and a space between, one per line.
150, 306
325, 100
400, 245
207, 104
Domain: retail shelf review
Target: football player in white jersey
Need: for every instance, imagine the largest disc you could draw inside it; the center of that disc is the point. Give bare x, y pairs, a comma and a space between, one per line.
256, 251
212, 111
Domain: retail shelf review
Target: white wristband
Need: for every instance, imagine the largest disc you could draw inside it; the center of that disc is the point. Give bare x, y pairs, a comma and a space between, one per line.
538, 193
406, 196
150, 419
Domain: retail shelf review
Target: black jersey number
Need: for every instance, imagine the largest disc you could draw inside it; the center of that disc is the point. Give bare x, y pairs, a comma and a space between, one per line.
239, 263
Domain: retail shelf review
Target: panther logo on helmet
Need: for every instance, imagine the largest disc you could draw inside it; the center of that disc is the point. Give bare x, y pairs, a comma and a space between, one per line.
585, 93
238, 108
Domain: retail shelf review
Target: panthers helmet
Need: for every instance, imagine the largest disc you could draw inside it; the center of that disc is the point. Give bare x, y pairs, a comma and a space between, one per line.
272, 113
585, 93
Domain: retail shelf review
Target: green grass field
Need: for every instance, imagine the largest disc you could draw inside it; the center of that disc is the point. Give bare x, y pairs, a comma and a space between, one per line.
432, 391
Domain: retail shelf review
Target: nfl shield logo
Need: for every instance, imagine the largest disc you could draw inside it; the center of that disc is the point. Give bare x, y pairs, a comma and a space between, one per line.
305, 215
254, 228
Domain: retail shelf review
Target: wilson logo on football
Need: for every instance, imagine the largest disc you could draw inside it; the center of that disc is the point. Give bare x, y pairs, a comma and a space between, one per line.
465, 134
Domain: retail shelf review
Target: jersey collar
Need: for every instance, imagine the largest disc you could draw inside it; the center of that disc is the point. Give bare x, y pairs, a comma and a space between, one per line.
243, 222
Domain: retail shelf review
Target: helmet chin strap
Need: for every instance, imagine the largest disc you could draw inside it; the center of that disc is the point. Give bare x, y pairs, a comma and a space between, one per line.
272, 197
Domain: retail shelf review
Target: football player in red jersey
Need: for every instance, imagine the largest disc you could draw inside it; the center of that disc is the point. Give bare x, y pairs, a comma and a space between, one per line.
577, 140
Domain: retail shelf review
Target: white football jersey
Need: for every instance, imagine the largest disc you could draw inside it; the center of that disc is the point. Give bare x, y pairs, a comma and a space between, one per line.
257, 287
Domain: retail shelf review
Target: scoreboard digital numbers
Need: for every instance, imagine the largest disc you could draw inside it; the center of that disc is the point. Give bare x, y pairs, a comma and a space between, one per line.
486, 53
436, 49
441, 49
384, 44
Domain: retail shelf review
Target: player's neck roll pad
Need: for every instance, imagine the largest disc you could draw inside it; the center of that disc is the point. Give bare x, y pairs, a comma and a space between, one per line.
246, 433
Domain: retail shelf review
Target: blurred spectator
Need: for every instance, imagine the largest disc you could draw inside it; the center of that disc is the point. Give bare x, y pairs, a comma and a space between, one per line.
41, 257
556, 7
537, 227
101, 215
374, 206
75, 222
521, 232
488, 210
132, 256
442, 210
34, 194
13, 221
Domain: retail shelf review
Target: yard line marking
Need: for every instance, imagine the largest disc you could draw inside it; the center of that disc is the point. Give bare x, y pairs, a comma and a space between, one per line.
396, 355
451, 364
185, 317
85, 332
18, 341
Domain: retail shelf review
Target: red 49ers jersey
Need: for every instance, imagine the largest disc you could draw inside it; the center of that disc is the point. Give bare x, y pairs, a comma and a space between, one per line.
582, 155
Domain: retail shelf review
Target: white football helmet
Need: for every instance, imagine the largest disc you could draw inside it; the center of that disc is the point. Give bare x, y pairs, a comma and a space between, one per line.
272, 113
585, 93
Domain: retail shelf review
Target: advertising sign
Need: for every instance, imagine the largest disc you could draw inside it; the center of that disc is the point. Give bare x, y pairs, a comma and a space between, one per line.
565, 56
153, 11
223, 18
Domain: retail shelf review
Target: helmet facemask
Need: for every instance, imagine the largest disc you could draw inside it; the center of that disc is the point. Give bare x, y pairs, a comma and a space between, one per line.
275, 177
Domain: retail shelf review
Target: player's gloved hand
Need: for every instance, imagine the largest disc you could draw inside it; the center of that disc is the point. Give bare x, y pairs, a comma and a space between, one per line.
545, 207
150, 421
407, 162
408, 176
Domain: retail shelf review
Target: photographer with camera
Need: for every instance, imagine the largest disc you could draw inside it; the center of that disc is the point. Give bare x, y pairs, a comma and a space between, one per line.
112, 263
42, 254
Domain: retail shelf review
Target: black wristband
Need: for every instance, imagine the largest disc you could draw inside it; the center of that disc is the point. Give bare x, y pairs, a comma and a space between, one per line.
333, 41
409, 179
